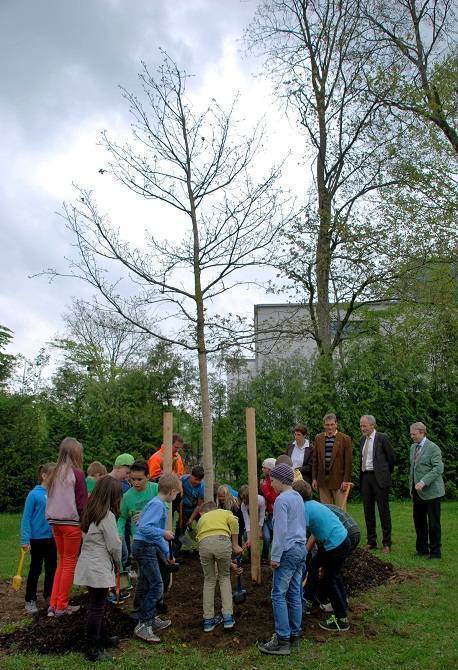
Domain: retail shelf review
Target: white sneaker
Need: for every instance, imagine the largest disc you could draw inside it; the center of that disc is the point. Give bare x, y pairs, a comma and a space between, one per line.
160, 624
31, 607
70, 609
145, 632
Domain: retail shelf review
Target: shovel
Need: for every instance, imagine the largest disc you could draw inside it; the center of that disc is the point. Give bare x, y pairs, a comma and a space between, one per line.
17, 579
184, 539
343, 504
239, 596
170, 569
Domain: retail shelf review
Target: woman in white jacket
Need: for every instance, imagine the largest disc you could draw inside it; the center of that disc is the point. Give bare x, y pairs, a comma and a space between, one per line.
99, 559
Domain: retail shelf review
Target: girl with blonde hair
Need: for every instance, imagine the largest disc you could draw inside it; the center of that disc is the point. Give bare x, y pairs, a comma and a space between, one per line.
67, 497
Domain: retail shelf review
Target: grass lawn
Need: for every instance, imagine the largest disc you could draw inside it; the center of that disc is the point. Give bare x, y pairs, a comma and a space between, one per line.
406, 626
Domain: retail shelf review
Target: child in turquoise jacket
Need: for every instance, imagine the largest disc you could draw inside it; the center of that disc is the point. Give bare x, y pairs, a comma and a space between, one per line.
37, 537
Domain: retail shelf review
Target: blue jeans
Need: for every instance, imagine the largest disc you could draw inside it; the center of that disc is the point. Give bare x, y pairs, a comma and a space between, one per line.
287, 592
149, 581
267, 532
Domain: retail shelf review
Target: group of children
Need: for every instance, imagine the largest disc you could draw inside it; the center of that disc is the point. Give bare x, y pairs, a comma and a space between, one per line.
98, 525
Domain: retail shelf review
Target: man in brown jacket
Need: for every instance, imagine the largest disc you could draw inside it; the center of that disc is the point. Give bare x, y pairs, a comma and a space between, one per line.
332, 460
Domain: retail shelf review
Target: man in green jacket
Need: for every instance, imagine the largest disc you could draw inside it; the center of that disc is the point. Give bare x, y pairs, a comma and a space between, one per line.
427, 489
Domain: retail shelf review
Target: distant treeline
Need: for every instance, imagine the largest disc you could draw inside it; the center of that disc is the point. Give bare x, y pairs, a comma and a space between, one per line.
405, 373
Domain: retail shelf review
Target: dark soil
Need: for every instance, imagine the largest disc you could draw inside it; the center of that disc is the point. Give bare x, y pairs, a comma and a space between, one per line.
364, 571
253, 619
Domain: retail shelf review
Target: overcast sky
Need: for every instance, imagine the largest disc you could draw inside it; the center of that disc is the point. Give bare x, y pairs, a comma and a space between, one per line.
61, 64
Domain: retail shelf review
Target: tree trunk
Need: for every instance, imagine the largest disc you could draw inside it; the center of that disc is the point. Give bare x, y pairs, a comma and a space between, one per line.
323, 262
323, 247
206, 426
207, 443
323, 252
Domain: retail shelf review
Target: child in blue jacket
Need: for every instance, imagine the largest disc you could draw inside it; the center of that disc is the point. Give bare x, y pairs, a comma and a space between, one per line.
37, 537
150, 540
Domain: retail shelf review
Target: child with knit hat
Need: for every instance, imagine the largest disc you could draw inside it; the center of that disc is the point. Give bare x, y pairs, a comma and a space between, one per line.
284, 458
287, 560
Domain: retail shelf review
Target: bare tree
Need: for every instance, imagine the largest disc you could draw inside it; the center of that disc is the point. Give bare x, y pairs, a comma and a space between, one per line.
112, 343
341, 254
416, 42
197, 164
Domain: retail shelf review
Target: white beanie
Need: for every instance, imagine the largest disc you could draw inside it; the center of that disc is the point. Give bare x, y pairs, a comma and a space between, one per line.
269, 463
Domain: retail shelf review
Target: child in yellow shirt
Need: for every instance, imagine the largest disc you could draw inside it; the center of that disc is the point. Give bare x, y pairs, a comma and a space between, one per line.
217, 535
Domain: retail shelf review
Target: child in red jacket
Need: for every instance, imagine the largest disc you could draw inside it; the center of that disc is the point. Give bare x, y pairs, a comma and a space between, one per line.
270, 496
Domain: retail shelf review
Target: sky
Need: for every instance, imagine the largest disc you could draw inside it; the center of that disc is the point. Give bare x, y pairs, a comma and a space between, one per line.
61, 66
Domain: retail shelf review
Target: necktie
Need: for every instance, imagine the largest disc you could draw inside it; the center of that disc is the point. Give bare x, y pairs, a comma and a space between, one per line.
416, 453
365, 450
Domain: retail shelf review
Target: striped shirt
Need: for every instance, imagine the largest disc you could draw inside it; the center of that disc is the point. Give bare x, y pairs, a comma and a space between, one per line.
328, 447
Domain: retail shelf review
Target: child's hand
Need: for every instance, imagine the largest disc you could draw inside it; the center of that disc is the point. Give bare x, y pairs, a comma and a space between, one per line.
135, 517
274, 565
168, 535
171, 561
26, 547
235, 568
237, 549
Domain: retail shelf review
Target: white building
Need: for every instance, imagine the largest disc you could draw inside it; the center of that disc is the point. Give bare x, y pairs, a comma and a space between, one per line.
281, 333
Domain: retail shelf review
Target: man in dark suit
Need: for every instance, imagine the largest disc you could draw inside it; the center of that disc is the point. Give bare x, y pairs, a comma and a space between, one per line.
301, 452
376, 465
332, 462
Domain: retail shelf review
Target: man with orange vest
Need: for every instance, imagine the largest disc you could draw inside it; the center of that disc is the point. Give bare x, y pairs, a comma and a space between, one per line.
156, 461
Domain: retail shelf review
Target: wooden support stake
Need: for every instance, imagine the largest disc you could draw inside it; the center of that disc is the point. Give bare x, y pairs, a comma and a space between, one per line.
253, 493
168, 457
343, 504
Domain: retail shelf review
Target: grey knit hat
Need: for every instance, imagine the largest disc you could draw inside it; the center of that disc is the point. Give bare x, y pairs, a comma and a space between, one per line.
268, 463
283, 473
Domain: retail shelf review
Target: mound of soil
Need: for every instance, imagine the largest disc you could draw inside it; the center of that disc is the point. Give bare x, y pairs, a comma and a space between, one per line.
253, 619
364, 571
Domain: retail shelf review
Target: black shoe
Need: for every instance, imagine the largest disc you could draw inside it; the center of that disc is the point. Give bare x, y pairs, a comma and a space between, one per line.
111, 641
275, 646
97, 654
295, 640
434, 556
335, 624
